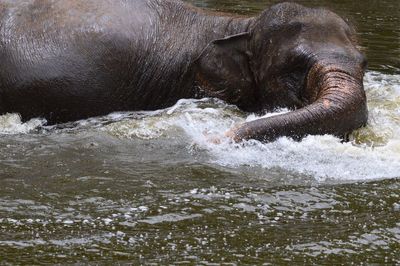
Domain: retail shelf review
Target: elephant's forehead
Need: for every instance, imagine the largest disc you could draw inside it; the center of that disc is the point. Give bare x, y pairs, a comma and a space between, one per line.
291, 12
321, 19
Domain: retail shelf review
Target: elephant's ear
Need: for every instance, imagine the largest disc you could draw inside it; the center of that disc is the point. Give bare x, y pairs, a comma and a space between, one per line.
223, 69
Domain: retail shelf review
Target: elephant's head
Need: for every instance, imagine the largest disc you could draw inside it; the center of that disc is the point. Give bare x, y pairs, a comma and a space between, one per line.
295, 57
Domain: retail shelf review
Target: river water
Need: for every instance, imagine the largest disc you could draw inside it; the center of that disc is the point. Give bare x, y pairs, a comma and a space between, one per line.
147, 187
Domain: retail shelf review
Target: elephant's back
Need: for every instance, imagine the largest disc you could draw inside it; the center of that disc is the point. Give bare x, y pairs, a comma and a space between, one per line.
58, 56
78, 58
38, 30
73, 16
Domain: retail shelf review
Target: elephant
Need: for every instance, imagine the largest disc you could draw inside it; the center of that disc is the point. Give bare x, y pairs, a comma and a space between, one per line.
70, 60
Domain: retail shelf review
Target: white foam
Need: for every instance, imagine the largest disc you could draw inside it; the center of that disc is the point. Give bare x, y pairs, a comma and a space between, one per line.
373, 153
12, 124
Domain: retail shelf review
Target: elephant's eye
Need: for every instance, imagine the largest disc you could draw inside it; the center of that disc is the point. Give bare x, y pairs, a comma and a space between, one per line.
296, 66
292, 79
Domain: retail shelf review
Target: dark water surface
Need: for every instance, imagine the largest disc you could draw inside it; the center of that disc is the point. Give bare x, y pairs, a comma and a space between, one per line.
148, 188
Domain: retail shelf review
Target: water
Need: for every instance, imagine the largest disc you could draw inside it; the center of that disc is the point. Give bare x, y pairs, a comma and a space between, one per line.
149, 187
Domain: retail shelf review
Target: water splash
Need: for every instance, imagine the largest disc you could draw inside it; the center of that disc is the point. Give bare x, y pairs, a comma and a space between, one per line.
372, 153
12, 124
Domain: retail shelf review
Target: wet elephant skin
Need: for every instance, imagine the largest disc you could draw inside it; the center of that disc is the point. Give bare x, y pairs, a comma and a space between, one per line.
69, 60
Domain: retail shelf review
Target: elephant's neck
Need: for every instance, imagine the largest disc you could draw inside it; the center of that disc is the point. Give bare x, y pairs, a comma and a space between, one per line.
180, 38
195, 28
212, 27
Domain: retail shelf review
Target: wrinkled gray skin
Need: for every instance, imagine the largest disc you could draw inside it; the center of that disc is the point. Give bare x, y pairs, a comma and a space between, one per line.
69, 60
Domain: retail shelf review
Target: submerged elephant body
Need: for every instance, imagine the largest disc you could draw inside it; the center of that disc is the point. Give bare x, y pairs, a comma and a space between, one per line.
69, 60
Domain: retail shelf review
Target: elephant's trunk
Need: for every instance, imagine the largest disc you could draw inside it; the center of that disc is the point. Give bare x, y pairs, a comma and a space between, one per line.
338, 106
